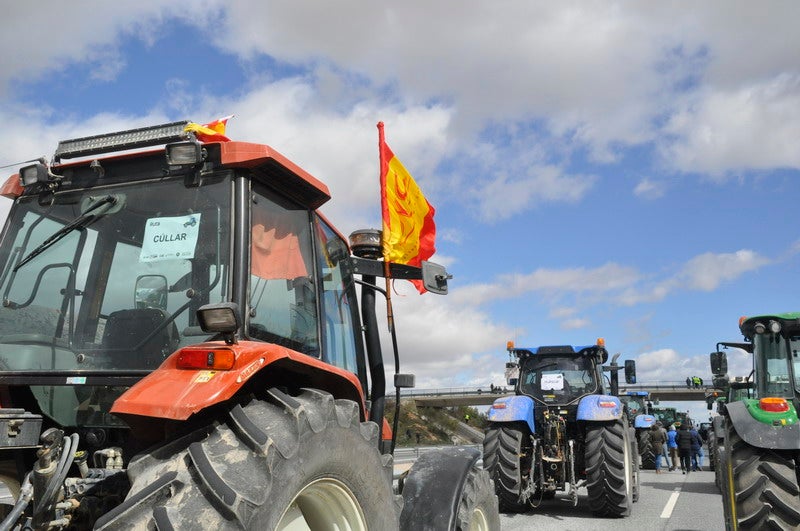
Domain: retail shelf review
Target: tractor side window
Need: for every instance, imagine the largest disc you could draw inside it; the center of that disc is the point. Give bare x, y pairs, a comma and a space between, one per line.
35, 293
794, 348
774, 374
283, 306
338, 300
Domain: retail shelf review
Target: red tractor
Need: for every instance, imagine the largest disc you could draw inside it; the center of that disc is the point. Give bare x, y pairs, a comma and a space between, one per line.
182, 347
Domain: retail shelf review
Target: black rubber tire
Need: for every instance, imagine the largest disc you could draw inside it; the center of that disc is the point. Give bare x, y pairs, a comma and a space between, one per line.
634, 464
719, 466
507, 456
761, 486
478, 508
608, 469
245, 471
646, 451
711, 449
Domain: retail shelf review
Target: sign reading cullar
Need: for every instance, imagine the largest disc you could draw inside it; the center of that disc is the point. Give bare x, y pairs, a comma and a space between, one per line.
170, 238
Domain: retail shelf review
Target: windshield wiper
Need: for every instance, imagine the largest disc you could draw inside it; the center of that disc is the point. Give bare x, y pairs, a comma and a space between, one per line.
80, 222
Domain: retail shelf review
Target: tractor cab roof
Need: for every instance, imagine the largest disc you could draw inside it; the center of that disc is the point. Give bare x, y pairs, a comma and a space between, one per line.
107, 154
786, 324
561, 350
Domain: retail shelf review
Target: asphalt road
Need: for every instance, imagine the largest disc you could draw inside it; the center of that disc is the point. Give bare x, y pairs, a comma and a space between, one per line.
668, 501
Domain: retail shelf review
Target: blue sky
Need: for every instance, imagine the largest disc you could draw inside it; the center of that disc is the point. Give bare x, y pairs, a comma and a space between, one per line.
599, 169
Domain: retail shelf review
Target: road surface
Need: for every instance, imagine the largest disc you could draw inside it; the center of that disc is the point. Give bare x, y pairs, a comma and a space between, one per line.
669, 501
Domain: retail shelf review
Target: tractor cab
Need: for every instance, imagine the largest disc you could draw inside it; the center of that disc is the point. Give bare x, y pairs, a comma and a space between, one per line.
774, 342
107, 260
558, 378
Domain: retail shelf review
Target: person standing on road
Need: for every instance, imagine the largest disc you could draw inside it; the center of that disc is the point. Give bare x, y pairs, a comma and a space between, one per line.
664, 446
657, 441
672, 444
697, 450
684, 440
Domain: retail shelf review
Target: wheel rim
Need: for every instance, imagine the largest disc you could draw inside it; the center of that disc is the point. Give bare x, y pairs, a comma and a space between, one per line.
324, 504
479, 522
626, 458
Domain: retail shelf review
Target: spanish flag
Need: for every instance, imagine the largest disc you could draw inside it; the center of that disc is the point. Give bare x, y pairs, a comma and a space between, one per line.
408, 228
210, 132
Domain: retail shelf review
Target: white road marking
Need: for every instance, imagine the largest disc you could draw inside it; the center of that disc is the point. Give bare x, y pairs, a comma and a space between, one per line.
673, 499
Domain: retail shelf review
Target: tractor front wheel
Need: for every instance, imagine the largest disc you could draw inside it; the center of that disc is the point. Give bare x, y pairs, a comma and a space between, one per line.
759, 486
288, 462
478, 509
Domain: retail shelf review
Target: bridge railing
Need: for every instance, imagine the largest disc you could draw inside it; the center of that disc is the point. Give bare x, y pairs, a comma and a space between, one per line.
660, 385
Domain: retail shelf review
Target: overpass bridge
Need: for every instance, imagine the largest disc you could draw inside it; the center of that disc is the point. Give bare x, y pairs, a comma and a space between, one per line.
480, 396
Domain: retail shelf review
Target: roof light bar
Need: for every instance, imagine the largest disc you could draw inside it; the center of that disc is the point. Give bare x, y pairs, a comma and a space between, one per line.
122, 140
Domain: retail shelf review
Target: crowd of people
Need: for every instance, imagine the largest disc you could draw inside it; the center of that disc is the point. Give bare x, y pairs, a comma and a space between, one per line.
694, 382
678, 447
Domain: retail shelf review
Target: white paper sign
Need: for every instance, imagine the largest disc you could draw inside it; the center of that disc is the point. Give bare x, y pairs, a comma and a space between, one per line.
170, 238
552, 381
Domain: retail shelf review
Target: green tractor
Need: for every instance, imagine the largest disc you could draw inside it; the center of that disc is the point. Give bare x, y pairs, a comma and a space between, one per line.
760, 449
726, 390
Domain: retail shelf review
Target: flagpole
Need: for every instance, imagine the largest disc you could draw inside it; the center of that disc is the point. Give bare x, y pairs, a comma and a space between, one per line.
386, 270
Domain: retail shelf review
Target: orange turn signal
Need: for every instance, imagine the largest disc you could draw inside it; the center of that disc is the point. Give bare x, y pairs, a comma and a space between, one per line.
774, 404
217, 359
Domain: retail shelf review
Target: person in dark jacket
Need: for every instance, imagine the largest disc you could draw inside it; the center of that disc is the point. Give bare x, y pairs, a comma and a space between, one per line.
684, 440
657, 441
697, 450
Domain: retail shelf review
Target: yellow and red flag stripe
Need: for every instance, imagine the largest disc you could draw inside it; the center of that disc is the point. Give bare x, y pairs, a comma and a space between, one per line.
409, 231
210, 132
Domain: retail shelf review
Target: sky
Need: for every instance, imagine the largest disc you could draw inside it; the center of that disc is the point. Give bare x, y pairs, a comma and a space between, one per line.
625, 170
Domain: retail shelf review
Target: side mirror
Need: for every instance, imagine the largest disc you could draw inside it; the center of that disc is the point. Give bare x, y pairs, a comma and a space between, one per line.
512, 373
719, 363
721, 382
630, 371
151, 292
435, 277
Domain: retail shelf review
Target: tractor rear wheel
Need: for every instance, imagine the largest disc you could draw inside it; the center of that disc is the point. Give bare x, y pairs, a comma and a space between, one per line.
609, 468
507, 456
760, 486
289, 462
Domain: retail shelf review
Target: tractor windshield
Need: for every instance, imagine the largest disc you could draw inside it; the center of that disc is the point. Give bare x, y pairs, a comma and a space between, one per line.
774, 367
107, 280
557, 380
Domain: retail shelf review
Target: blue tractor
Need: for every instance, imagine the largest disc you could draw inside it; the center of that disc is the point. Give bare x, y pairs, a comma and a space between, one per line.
563, 429
641, 416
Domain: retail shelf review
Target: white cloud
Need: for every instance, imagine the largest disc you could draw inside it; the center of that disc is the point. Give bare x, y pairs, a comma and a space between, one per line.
575, 324
504, 197
649, 189
747, 127
439, 335
707, 271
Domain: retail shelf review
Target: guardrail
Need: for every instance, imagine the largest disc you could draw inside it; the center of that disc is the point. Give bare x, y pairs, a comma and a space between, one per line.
664, 385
